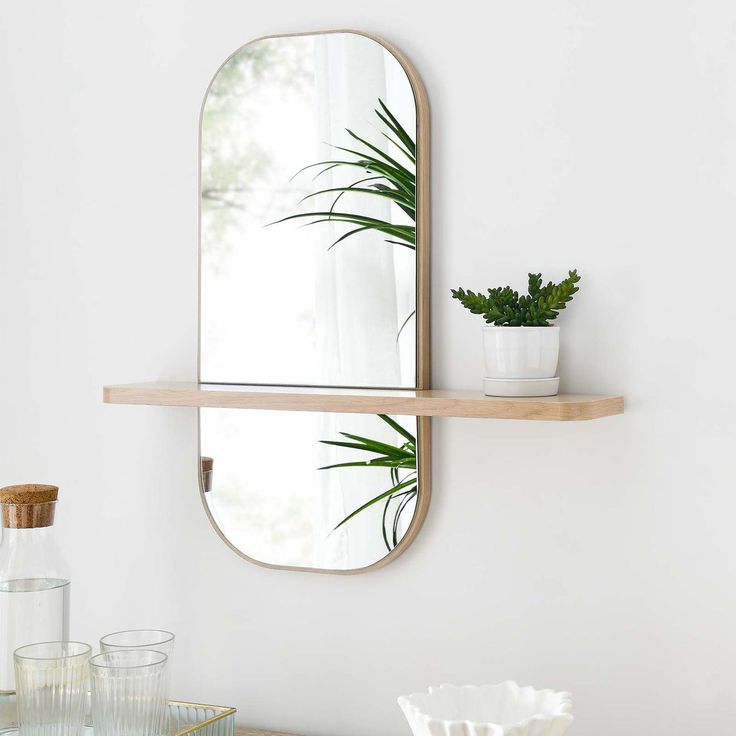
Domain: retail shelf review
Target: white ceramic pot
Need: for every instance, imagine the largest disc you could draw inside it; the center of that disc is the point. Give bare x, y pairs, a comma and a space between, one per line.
487, 710
521, 352
521, 361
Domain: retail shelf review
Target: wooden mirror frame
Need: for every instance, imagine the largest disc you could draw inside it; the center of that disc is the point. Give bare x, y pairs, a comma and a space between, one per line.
424, 460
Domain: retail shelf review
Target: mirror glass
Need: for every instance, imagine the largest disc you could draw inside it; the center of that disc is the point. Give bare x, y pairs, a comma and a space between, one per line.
276, 496
309, 263
308, 209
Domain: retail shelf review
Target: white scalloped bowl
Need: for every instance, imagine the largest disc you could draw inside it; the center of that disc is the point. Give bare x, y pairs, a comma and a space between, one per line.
487, 710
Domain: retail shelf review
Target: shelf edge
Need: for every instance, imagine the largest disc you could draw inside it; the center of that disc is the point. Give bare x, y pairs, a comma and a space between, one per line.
431, 404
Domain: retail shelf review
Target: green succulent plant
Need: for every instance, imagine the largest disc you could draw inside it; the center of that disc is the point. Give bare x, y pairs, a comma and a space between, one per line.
504, 307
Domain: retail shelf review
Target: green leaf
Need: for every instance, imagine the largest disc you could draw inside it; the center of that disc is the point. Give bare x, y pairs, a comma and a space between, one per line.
389, 159
395, 173
385, 192
383, 522
408, 206
397, 517
348, 234
396, 426
399, 146
396, 128
398, 185
397, 459
379, 462
364, 448
375, 445
379, 497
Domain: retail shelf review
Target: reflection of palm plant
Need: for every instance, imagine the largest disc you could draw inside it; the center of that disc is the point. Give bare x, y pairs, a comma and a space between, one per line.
388, 179
396, 459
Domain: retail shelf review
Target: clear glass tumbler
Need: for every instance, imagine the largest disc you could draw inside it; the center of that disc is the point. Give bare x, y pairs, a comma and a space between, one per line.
160, 641
129, 693
52, 680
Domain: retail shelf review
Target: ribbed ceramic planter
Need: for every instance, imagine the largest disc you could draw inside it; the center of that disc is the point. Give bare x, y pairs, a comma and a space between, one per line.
487, 710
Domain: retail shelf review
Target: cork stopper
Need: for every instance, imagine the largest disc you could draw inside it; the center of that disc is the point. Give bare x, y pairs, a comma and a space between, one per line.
28, 506
29, 493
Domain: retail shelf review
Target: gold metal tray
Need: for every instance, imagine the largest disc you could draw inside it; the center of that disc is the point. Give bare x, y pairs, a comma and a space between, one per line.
186, 718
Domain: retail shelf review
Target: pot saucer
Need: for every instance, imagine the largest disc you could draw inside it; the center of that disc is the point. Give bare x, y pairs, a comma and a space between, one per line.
510, 387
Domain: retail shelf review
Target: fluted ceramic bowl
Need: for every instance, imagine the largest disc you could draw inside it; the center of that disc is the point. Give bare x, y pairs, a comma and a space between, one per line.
487, 710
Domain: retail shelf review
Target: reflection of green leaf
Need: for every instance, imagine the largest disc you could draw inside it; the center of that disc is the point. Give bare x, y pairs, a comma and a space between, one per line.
395, 182
401, 430
395, 127
404, 232
397, 517
393, 457
398, 197
379, 497
392, 181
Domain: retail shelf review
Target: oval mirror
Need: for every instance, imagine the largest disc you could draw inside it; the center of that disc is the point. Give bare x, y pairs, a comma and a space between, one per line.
313, 272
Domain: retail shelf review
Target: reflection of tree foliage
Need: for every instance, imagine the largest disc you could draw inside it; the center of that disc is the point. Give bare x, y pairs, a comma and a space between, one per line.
234, 163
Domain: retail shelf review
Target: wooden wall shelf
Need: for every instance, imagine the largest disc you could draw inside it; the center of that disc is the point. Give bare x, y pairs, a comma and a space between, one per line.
430, 403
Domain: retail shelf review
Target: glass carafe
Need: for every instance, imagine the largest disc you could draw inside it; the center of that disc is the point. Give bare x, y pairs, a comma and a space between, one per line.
34, 582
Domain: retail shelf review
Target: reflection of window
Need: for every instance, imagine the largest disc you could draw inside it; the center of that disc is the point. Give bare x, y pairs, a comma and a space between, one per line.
257, 311
277, 306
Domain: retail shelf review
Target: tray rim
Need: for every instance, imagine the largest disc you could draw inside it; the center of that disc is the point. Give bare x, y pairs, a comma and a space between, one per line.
223, 711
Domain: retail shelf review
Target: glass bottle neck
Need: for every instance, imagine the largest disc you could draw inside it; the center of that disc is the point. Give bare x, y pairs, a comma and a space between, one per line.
35, 535
30, 554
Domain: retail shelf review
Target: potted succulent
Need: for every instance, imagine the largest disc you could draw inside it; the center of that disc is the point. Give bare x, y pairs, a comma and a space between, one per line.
520, 345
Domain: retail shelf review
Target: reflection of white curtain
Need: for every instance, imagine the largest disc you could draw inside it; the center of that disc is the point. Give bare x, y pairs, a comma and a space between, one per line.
357, 282
356, 285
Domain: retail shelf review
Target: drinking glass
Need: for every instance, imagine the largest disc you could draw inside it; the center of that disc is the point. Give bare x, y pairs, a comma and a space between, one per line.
51, 680
160, 641
129, 695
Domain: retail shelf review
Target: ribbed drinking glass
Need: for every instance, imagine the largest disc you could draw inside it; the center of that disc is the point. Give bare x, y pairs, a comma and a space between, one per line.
160, 641
52, 680
129, 693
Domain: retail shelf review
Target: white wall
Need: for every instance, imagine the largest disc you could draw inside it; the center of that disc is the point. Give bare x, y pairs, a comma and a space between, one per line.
596, 557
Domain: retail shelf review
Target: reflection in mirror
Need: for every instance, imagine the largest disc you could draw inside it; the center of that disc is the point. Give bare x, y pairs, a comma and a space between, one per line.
296, 489
313, 271
308, 212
